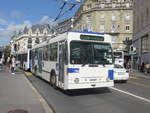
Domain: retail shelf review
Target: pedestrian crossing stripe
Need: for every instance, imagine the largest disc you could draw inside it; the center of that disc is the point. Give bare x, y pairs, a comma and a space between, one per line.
134, 77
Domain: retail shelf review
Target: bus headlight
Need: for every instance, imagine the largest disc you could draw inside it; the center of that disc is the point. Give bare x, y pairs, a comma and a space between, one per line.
76, 80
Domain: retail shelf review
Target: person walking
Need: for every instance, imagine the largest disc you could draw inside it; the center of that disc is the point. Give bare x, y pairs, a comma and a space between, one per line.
1, 63
142, 66
13, 64
8, 63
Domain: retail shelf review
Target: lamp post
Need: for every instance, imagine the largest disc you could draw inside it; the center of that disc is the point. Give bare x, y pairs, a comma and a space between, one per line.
72, 21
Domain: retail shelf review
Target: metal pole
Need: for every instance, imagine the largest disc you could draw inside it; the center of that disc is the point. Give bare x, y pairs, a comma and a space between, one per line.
131, 62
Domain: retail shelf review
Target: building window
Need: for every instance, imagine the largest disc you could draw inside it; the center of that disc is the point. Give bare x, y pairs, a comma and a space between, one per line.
89, 19
127, 27
37, 41
89, 6
120, 1
113, 5
113, 28
102, 5
29, 43
102, 18
108, 1
113, 17
144, 43
127, 17
102, 28
89, 22
127, 5
29, 40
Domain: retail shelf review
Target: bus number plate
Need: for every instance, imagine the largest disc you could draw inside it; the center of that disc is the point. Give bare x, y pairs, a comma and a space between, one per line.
93, 79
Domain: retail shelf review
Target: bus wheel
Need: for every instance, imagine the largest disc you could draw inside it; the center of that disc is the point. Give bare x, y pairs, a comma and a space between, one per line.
35, 70
53, 80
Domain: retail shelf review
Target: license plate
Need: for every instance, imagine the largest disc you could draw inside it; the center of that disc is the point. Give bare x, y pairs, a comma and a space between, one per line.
121, 73
93, 79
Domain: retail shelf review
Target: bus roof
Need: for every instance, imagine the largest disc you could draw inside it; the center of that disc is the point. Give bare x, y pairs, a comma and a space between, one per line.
62, 36
88, 32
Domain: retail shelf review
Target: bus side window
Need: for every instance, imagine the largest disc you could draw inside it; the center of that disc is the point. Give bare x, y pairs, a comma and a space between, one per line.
45, 53
53, 51
36, 54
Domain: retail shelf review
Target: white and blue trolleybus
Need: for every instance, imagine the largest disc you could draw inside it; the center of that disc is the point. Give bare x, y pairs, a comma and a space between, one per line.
119, 57
75, 60
23, 60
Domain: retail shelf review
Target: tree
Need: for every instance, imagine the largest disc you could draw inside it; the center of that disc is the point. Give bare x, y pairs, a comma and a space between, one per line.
7, 50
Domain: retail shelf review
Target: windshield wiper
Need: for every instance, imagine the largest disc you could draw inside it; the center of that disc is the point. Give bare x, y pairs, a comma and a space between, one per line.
85, 61
103, 64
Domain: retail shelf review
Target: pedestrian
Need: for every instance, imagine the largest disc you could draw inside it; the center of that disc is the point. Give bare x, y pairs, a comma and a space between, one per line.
128, 65
13, 64
125, 65
8, 63
147, 67
142, 66
1, 63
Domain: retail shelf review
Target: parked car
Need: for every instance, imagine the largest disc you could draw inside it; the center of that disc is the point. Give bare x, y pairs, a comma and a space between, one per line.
120, 73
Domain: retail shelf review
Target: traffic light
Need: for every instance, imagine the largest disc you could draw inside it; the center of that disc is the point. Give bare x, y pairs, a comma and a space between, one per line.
131, 48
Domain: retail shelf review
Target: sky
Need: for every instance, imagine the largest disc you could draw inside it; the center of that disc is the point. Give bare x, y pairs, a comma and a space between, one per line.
16, 14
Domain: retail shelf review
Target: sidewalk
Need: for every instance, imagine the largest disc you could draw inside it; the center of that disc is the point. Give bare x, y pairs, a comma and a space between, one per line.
139, 74
17, 93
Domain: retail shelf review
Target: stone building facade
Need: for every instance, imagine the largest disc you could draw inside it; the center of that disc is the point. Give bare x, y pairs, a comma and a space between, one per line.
114, 17
141, 31
29, 37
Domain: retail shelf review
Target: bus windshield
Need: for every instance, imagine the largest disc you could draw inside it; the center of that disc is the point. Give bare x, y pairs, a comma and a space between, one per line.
90, 53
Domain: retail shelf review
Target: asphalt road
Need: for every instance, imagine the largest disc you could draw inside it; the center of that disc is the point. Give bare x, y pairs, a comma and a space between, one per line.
132, 97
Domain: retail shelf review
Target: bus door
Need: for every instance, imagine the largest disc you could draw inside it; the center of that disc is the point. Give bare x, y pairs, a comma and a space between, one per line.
61, 61
40, 57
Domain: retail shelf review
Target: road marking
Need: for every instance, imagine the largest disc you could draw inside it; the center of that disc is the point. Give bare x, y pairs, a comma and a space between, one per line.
134, 77
28, 73
133, 95
139, 84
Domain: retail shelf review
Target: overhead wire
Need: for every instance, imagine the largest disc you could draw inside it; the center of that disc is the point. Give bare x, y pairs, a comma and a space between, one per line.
61, 13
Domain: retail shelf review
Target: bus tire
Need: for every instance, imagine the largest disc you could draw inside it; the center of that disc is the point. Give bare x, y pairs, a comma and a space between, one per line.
124, 81
53, 80
24, 68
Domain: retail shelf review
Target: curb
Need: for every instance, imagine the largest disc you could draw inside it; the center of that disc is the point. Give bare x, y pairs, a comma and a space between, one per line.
142, 75
45, 105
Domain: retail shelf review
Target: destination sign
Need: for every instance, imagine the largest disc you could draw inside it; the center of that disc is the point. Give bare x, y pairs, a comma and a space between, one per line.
96, 38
